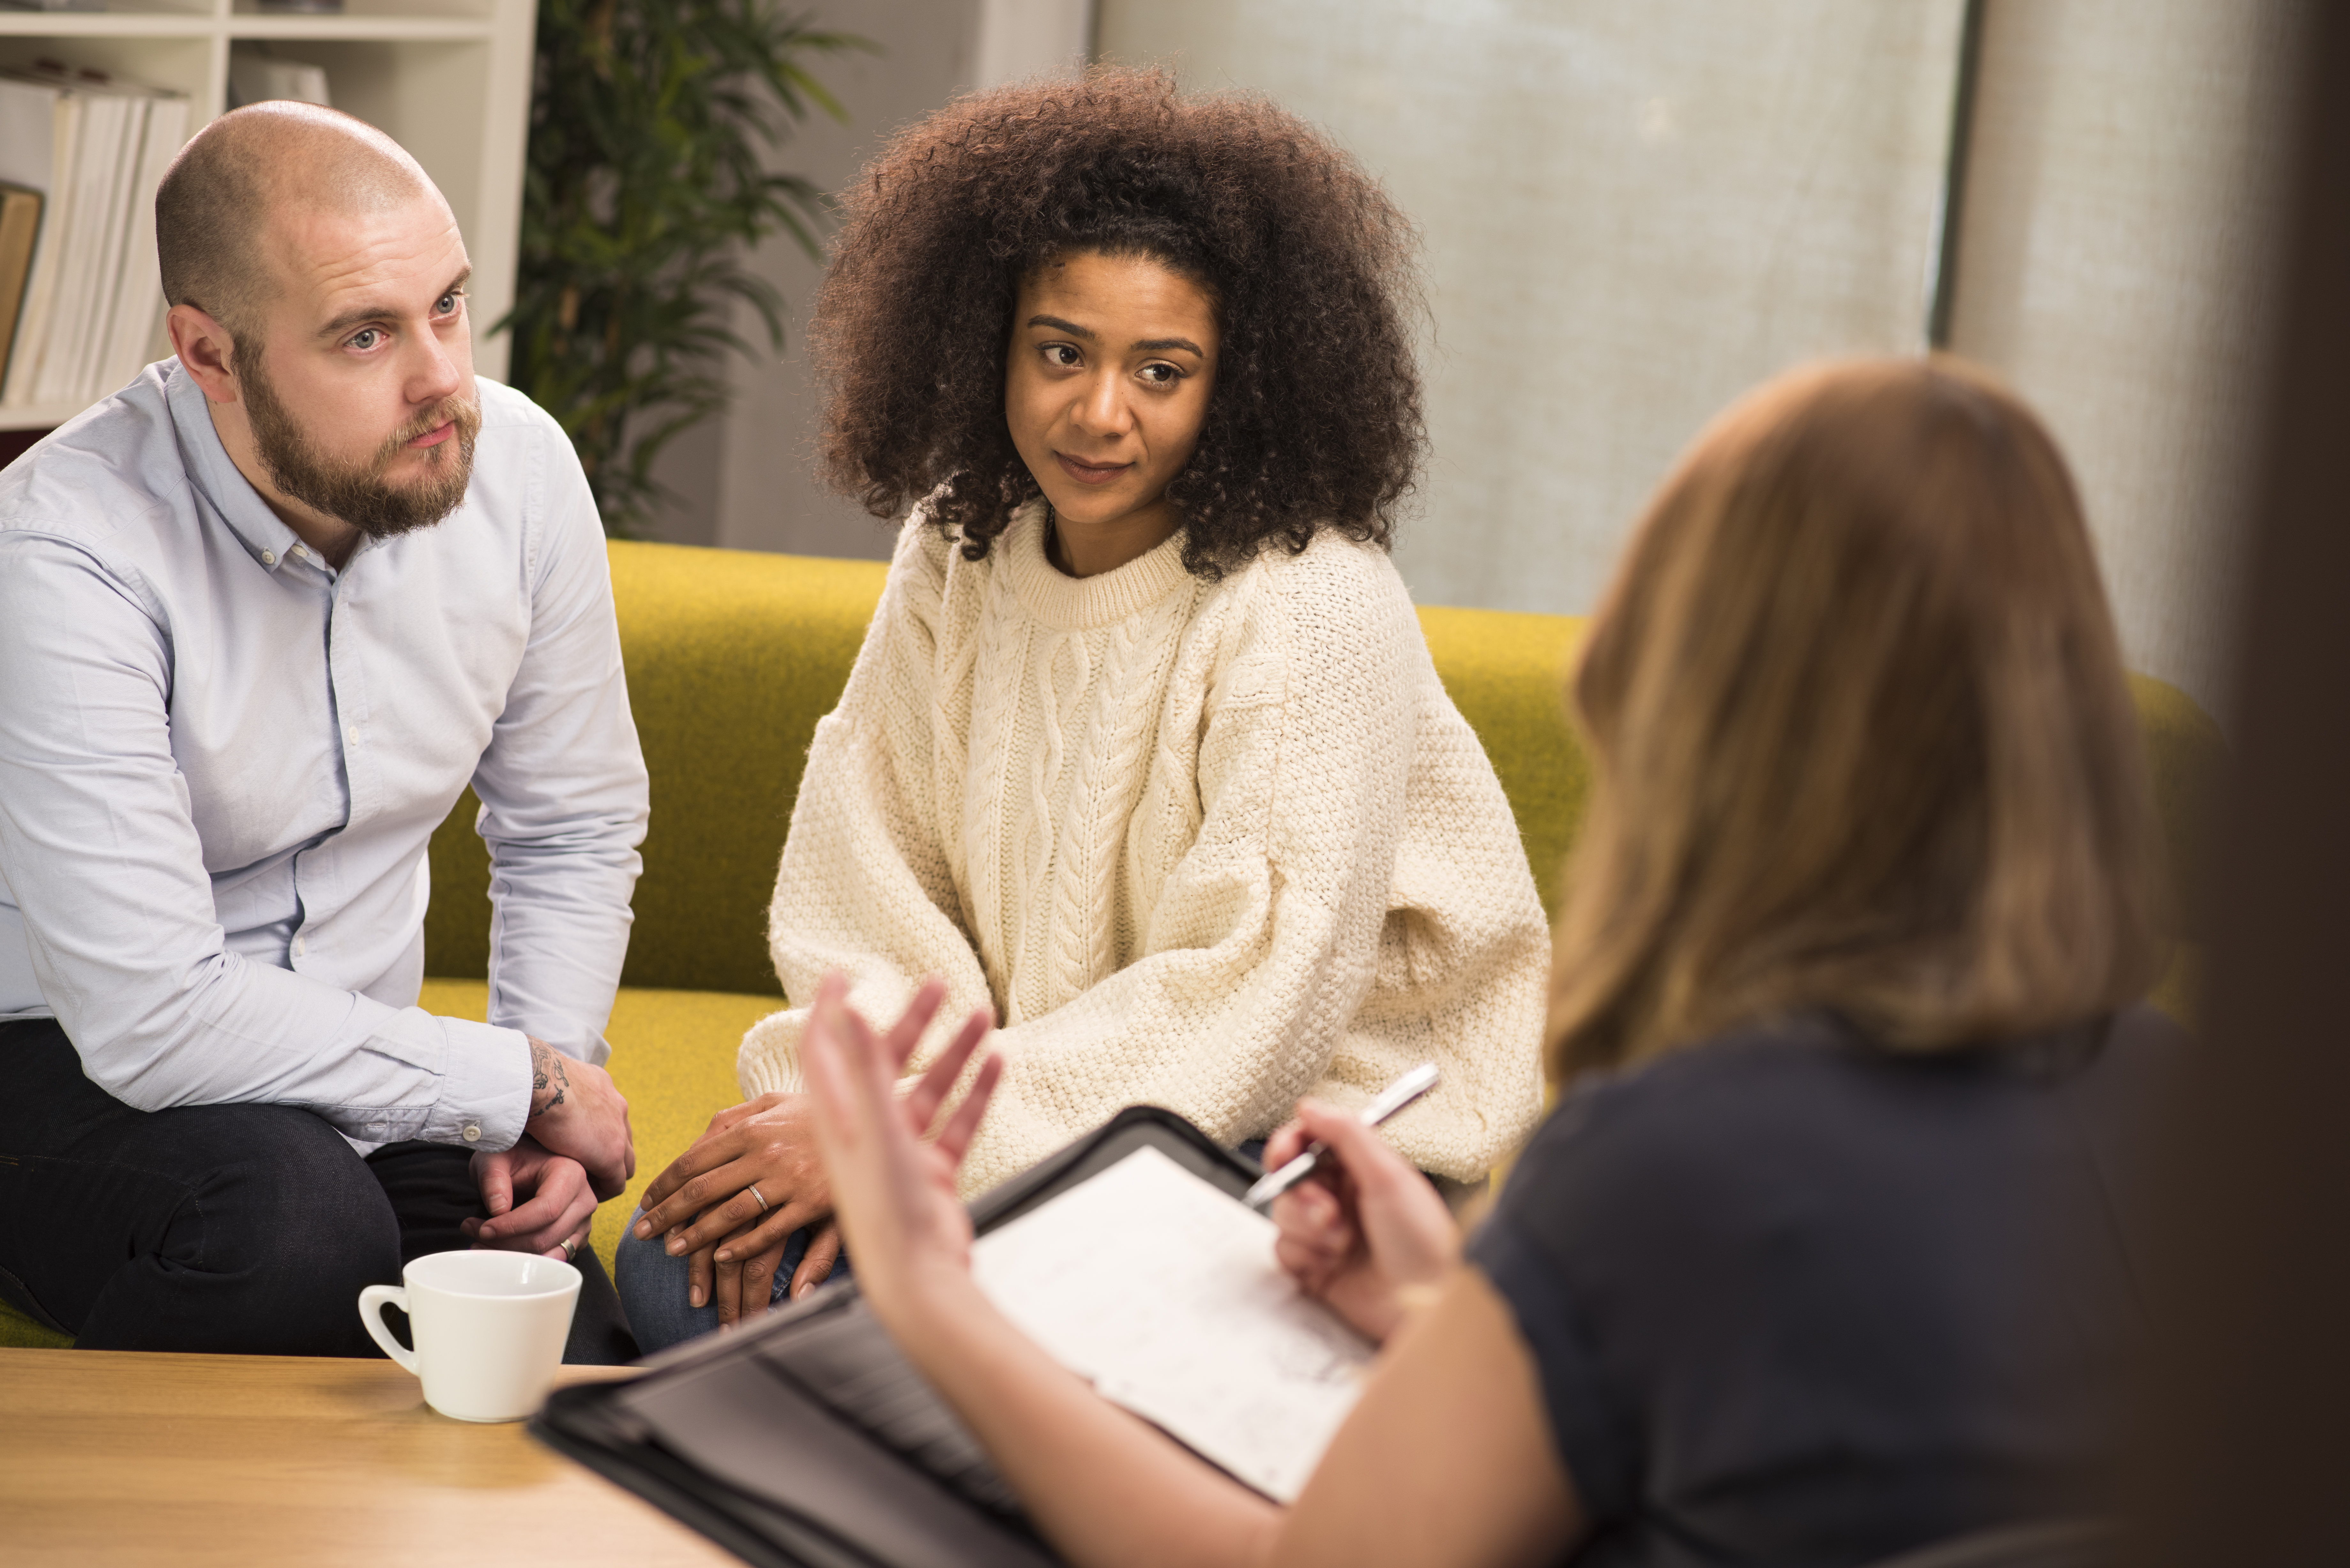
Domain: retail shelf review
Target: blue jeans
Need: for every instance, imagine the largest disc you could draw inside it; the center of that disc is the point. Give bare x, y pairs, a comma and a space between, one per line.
652, 1287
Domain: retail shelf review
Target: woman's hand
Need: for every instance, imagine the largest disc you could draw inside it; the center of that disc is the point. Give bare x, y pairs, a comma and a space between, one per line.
738, 1274
1366, 1232
895, 1193
704, 1202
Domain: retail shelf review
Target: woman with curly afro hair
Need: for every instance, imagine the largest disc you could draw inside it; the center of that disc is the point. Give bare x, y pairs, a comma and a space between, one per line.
1144, 754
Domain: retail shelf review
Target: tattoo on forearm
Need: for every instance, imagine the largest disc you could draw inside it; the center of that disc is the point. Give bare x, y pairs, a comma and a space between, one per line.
548, 1079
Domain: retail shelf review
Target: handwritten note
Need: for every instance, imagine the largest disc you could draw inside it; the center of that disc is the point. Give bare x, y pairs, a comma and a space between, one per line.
1163, 1291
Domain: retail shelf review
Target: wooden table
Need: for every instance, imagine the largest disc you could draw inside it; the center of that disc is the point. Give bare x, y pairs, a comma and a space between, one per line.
120, 1457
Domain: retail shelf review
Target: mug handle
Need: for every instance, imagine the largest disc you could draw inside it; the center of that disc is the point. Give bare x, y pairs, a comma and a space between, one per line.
371, 1304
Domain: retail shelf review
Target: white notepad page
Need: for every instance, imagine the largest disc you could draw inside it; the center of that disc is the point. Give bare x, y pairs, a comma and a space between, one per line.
1162, 1291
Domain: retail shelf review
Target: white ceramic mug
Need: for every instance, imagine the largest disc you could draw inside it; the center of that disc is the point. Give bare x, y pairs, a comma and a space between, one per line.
489, 1329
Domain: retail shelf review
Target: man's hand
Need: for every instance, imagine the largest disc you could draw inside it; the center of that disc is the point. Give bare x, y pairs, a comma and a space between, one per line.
575, 1111
557, 1202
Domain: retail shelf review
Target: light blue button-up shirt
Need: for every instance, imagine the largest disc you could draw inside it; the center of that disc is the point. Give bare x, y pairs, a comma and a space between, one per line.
221, 761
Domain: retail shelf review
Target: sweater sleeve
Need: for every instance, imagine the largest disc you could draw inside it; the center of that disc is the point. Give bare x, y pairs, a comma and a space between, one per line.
864, 886
1263, 940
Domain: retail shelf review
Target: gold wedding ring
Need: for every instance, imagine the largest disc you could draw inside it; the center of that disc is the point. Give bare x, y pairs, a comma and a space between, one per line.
756, 1198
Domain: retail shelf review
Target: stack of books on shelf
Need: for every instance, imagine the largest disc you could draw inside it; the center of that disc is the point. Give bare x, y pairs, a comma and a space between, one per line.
81, 303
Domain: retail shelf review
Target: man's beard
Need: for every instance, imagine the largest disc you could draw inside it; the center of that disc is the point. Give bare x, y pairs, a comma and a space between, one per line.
357, 493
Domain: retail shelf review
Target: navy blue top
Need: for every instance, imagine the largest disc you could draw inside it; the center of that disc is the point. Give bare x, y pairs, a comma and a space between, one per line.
1796, 1300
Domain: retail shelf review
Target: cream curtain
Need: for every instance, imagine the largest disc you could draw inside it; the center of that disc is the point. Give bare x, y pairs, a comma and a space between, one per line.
2118, 238
1631, 213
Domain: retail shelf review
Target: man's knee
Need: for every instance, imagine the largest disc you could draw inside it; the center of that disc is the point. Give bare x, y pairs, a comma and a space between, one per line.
307, 1190
277, 1227
302, 1204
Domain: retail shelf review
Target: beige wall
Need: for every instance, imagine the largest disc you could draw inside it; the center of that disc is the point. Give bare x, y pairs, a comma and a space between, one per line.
746, 478
1631, 213
2124, 181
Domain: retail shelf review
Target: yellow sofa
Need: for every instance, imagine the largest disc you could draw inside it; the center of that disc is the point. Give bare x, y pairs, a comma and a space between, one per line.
733, 657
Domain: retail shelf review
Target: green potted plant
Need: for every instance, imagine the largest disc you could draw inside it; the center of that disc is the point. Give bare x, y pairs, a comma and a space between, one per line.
644, 191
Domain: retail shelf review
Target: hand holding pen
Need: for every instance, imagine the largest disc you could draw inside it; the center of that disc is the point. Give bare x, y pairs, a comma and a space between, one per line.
1289, 1173
1369, 1232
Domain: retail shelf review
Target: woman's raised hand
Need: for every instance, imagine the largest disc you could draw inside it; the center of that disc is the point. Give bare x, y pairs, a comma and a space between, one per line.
894, 1192
1366, 1230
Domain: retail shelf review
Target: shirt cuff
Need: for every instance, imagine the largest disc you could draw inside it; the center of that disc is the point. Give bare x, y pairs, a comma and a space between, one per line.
485, 1087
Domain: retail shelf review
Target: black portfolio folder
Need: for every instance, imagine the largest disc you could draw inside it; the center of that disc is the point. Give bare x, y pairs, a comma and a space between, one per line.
806, 1440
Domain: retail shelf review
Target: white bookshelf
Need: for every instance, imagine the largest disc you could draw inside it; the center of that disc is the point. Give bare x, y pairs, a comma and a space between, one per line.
449, 80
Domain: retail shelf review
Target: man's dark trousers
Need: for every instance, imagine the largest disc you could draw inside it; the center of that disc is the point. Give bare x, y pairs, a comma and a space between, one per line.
246, 1229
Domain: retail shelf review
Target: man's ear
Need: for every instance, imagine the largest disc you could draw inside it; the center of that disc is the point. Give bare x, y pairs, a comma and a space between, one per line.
205, 347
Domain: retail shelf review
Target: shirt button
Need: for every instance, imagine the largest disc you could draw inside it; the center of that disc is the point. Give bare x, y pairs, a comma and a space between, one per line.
269, 557
299, 947
353, 734
473, 1132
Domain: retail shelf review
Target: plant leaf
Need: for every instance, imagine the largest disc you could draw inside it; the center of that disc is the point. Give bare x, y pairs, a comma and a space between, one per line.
645, 190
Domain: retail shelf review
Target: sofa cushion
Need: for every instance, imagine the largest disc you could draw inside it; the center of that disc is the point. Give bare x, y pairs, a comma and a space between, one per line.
19, 1331
1507, 674
733, 656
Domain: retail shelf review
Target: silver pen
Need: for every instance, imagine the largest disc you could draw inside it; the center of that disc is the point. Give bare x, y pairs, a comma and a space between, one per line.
1398, 1094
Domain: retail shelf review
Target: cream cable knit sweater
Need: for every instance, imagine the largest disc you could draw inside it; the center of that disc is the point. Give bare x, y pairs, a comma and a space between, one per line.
1205, 845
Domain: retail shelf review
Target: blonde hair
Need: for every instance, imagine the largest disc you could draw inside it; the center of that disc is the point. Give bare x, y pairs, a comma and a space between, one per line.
1861, 736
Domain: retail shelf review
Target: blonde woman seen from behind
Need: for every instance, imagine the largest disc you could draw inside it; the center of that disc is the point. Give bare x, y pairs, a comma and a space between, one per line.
1822, 1255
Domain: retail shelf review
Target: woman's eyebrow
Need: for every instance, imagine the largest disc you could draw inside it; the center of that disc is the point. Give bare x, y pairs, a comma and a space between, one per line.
1140, 346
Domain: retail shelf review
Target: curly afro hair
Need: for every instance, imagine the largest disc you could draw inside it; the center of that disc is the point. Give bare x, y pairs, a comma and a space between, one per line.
1315, 421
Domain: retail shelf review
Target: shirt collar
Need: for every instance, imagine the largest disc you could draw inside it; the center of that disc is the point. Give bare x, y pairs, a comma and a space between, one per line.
261, 531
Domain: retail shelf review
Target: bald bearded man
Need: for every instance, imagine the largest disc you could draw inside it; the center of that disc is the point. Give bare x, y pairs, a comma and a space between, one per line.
263, 615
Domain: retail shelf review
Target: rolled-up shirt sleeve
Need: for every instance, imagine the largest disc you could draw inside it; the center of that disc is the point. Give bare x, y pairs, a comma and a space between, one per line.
564, 796
103, 860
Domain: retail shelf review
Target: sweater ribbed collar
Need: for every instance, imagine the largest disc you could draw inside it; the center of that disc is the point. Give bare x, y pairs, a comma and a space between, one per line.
1082, 604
